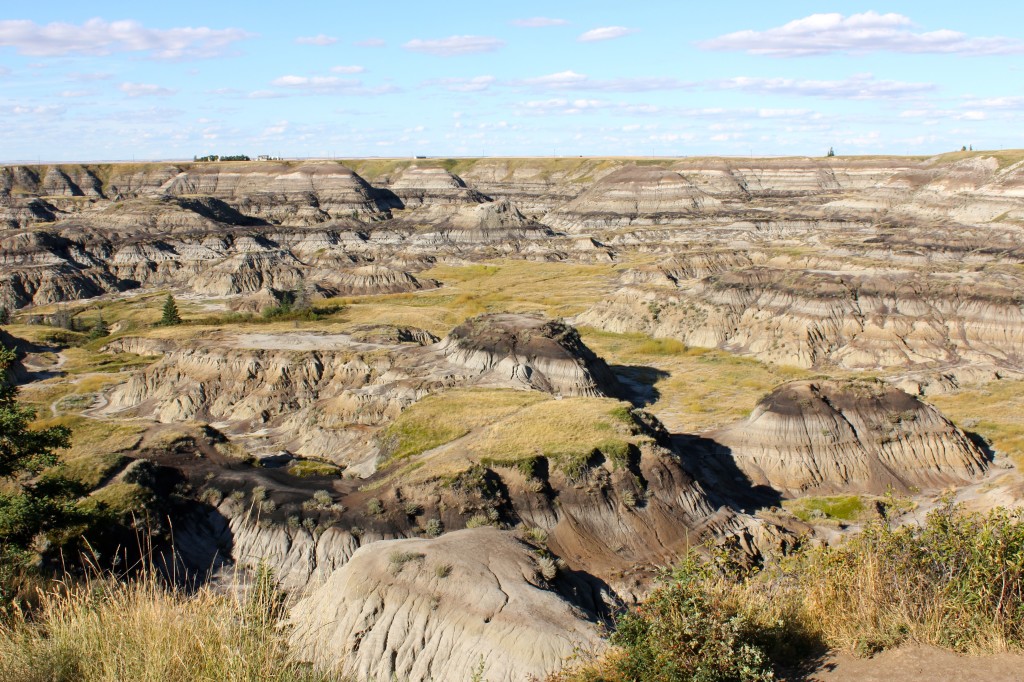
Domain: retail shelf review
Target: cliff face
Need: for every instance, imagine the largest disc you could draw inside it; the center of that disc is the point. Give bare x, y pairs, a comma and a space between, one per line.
858, 263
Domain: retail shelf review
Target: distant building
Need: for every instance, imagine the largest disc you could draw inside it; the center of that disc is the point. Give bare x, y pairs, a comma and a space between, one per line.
263, 157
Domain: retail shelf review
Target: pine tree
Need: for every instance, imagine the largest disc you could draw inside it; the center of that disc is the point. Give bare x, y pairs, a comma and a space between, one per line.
170, 316
100, 329
30, 504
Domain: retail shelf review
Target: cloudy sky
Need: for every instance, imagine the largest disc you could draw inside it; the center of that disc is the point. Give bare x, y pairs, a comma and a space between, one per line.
119, 80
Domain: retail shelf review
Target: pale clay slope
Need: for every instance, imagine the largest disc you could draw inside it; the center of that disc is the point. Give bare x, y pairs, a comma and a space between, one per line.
820, 437
387, 613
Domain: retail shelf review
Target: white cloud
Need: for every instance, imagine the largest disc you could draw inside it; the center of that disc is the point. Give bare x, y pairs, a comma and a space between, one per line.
565, 106
322, 85
77, 93
474, 84
570, 80
348, 69
41, 110
371, 42
455, 45
820, 34
1012, 102
99, 37
145, 90
278, 128
319, 39
538, 22
782, 113
4, 71
862, 86
88, 77
605, 33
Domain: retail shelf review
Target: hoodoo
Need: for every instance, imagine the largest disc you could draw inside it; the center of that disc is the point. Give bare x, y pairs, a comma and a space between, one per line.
848, 436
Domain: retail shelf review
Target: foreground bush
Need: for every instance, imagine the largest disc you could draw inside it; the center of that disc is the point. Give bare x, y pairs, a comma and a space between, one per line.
140, 630
956, 582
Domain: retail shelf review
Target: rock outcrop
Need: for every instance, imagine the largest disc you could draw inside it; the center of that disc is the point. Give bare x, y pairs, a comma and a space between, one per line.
825, 437
529, 351
470, 602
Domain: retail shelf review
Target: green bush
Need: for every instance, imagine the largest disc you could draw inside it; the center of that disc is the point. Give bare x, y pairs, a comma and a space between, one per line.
683, 633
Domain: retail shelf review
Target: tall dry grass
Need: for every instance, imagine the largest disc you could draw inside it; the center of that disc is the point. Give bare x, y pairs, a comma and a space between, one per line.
108, 630
956, 581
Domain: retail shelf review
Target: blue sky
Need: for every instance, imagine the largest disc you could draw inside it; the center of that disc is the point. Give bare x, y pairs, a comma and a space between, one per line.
119, 80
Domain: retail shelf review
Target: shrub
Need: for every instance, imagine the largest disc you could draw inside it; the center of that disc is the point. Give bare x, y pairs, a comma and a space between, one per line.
477, 521
375, 506
398, 560
682, 632
956, 581
434, 528
322, 498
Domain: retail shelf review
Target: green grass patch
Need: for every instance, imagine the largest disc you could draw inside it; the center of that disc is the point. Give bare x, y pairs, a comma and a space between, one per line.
441, 418
837, 508
306, 468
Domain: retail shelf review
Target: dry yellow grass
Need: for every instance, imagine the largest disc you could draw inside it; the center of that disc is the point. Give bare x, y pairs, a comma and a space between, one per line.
506, 426
697, 388
555, 289
108, 631
993, 410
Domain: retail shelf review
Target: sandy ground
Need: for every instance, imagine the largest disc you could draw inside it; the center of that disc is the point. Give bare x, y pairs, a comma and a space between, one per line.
913, 664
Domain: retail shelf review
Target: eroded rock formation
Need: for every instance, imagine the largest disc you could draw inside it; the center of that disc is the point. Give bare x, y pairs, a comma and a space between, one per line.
848, 436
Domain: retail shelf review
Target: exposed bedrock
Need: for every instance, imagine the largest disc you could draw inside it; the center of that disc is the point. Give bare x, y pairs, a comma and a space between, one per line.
848, 436
529, 350
311, 387
285, 194
633, 195
433, 609
847, 318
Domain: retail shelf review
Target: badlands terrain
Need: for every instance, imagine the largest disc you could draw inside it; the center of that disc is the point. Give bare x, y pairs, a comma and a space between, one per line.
465, 409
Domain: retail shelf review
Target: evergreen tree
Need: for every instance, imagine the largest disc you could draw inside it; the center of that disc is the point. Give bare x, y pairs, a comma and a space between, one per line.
30, 505
170, 316
100, 329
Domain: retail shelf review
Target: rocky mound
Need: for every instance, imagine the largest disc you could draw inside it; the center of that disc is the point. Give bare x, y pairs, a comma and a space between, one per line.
529, 350
417, 186
634, 195
373, 279
433, 609
850, 436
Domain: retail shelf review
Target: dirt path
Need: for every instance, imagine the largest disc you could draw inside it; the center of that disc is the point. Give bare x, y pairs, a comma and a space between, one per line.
914, 664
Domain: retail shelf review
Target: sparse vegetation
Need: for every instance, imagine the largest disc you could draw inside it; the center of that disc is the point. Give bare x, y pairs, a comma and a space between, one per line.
398, 560
839, 508
956, 581
141, 629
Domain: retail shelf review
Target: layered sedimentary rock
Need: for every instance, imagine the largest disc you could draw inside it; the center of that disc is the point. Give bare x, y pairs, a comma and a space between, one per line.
422, 610
860, 263
284, 194
311, 387
531, 351
634, 195
848, 436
